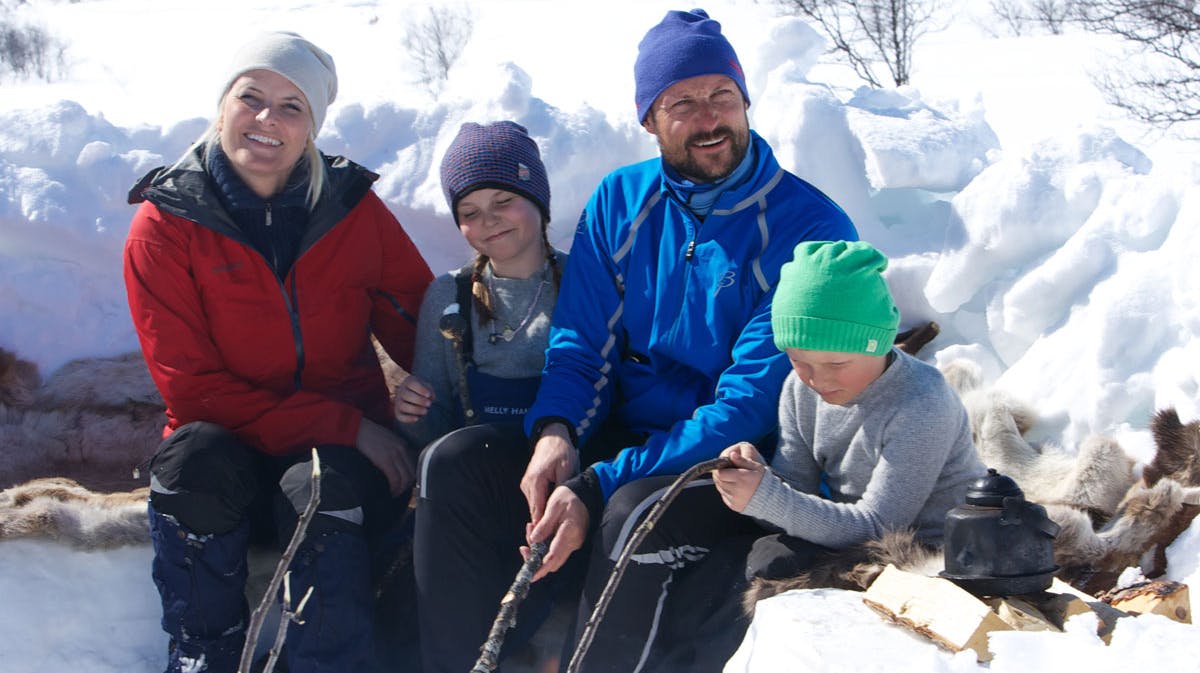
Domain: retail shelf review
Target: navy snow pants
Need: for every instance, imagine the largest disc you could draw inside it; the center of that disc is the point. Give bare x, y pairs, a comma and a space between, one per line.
211, 495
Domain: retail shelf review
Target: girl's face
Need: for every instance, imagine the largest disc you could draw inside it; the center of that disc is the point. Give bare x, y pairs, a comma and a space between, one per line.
837, 377
506, 227
265, 126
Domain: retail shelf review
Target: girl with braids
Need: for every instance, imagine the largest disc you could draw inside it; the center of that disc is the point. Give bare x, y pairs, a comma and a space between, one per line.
499, 195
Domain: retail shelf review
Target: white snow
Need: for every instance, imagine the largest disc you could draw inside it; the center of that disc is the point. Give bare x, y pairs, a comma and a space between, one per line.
1053, 239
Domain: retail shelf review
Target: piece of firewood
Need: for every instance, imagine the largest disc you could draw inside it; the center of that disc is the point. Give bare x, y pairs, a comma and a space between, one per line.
1106, 614
935, 608
1022, 614
1161, 597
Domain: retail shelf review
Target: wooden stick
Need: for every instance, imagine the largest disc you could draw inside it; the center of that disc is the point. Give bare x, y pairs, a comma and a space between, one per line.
489, 656
643, 529
453, 327
286, 617
260, 612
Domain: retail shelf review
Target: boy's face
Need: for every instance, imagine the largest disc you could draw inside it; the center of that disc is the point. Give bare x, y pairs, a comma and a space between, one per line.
837, 377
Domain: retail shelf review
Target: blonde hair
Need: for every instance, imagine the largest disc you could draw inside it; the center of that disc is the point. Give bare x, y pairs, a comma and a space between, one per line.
317, 174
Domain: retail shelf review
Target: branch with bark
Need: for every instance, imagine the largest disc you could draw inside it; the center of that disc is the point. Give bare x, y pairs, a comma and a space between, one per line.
639, 534
281, 572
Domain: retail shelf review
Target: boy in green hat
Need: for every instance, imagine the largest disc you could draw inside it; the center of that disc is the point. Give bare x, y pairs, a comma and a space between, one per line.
871, 439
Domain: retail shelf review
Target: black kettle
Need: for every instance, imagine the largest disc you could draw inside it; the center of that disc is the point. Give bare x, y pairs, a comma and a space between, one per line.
999, 544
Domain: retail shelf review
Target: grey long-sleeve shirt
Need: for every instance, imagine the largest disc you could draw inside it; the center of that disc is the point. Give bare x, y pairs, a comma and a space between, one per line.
900, 455
523, 356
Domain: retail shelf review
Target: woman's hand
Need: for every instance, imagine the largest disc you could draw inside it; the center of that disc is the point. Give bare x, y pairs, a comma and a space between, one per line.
387, 452
554, 461
413, 398
737, 484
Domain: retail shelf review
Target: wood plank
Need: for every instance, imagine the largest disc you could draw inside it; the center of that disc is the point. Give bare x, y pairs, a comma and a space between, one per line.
935, 608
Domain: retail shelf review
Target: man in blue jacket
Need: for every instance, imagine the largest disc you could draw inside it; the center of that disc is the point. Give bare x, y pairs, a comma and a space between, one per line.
661, 351
660, 356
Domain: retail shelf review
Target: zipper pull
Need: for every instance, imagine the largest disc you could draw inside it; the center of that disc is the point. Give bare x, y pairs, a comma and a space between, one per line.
690, 251
268, 214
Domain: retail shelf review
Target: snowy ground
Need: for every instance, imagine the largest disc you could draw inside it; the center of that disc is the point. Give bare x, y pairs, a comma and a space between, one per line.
1052, 239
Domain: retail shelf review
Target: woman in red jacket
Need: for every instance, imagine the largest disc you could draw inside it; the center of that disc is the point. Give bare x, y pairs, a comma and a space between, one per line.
257, 270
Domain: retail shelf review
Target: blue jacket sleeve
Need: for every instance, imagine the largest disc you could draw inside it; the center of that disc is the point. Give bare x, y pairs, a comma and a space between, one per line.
745, 409
583, 350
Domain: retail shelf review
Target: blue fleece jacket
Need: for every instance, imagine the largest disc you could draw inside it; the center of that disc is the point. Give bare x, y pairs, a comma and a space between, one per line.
664, 321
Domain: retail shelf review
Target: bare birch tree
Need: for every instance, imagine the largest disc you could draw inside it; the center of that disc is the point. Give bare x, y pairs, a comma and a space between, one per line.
872, 34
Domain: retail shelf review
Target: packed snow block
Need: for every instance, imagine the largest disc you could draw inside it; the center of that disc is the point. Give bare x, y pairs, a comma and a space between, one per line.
1161, 597
935, 608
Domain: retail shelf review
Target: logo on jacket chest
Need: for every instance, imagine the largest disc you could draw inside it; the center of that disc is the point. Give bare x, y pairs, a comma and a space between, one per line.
725, 280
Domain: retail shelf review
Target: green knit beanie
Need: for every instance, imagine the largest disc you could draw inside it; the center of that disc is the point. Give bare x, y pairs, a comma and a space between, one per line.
832, 297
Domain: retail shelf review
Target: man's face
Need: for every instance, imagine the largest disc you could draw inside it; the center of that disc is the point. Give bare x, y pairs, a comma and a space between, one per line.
701, 127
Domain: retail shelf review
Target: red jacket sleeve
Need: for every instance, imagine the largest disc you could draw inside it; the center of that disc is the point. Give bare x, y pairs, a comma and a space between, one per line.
405, 277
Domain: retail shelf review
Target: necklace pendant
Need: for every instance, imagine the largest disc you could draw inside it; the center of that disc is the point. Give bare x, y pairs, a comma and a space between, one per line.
508, 334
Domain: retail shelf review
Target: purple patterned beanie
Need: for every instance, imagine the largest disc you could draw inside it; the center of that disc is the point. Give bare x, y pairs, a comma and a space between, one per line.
682, 45
500, 155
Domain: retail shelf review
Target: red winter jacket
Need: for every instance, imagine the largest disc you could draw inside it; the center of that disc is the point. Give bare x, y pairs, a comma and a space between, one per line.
284, 365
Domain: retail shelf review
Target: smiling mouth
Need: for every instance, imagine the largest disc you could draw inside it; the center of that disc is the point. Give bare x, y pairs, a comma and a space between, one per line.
263, 140
709, 142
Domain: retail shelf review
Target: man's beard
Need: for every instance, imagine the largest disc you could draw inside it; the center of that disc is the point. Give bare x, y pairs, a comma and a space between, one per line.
682, 161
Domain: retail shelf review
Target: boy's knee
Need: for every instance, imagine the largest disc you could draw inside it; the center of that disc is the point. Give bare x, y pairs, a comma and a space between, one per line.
204, 477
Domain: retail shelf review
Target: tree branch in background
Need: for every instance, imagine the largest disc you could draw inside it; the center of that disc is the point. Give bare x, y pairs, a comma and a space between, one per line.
436, 41
289, 553
1164, 88
868, 33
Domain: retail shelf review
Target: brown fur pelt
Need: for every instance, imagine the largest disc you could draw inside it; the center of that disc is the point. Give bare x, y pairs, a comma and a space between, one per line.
854, 568
1154, 511
93, 420
61, 509
19, 380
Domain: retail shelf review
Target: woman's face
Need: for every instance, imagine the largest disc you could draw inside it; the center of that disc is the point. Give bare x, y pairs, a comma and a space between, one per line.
506, 227
265, 126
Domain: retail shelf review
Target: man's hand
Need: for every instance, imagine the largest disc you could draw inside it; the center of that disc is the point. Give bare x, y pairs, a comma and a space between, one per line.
554, 461
737, 484
413, 397
565, 525
387, 452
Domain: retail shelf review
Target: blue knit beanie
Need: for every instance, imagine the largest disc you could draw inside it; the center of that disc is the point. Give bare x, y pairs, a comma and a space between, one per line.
682, 45
500, 155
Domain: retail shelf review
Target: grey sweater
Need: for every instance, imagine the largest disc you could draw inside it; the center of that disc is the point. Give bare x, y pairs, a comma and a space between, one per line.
900, 455
524, 356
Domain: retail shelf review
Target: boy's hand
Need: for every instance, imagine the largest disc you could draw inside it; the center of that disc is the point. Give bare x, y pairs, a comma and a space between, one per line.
413, 397
737, 484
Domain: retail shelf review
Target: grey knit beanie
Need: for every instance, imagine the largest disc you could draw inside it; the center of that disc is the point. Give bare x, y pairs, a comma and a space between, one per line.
300, 61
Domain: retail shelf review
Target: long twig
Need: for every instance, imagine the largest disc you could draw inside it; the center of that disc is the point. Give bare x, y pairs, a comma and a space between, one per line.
260, 612
489, 656
287, 616
643, 529
453, 327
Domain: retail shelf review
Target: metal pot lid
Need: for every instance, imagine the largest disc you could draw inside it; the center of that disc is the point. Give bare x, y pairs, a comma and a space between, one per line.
991, 490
